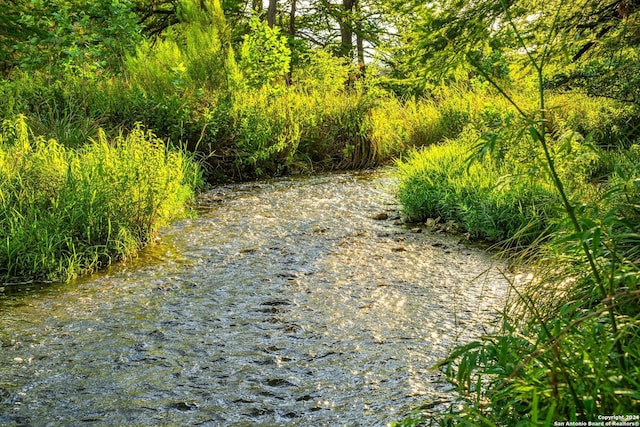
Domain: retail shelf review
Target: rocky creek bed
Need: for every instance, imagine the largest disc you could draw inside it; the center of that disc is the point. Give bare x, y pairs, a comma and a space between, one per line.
297, 301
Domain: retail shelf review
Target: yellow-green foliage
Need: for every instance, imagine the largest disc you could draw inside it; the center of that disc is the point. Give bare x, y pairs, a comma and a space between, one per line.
65, 212
265, 54
321, 73
195, 55
420, 122
168, 67
402, 125
608, 123
337, 130
488, 198
267, 129
507, 191
275, 131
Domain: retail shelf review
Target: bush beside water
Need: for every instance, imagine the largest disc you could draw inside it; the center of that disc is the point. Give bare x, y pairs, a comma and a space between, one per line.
487, 200
66, 211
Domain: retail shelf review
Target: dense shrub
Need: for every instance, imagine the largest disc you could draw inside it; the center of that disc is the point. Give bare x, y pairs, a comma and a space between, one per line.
295, 130
265, 56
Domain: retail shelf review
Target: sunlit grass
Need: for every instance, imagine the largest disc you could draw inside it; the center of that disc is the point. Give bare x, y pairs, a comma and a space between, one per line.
65, 212
499, 203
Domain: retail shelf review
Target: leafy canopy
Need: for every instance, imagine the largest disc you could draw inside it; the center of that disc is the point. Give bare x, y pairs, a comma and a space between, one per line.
592, 44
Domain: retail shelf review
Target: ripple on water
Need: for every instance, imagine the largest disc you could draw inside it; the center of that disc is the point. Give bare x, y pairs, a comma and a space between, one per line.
284, 303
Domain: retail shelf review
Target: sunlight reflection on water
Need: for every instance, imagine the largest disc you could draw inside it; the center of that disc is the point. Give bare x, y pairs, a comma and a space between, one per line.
284, 303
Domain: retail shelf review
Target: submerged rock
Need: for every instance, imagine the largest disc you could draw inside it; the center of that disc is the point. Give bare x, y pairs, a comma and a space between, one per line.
380, 216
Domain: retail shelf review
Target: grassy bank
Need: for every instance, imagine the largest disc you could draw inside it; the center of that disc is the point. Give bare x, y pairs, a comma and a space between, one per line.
567, 347
242, 133
487, 199
65, 212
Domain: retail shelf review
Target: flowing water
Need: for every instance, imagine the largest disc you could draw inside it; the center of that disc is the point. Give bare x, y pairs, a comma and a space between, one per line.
284, 303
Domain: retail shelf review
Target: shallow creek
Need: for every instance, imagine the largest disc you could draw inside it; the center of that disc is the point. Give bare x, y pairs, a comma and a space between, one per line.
284, 303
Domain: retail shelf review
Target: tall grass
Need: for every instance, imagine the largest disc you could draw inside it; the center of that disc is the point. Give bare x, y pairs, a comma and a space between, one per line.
609, 124
62, 109
489, 199
294, 131
65, 212
244, 132
432, 119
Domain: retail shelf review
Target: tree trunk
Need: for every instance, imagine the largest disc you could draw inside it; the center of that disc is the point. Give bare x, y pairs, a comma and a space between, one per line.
359, 38
346, 29
292, 34
271, 13
292, 18
360, 47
